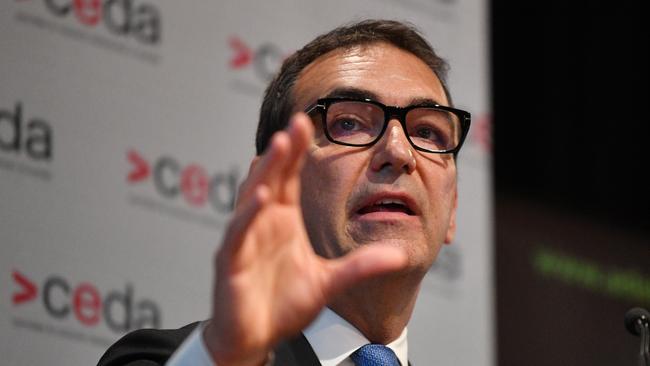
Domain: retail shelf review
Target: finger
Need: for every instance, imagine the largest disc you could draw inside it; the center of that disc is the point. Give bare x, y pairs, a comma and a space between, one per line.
301, 135
364, 263
241, 221
269, 167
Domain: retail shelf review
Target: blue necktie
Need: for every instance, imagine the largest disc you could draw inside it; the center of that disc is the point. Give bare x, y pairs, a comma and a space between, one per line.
374, 355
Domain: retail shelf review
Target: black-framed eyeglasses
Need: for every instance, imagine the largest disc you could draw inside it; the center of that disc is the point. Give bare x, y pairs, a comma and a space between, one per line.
362, 122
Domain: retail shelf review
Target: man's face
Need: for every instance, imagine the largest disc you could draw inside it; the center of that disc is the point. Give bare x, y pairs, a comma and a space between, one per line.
386, 193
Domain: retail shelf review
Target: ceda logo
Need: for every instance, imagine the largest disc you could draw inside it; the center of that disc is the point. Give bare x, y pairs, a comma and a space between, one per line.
128, 27
191, 183
253, 66
125, 18
119, 309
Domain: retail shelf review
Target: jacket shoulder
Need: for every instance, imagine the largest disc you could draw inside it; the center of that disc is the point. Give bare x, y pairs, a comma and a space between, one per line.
146, 347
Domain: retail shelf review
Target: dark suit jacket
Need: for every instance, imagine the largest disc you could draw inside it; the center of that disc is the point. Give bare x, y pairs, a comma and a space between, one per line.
151, 347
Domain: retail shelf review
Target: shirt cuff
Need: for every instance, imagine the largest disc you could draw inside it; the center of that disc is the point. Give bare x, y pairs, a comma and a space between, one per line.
192, 352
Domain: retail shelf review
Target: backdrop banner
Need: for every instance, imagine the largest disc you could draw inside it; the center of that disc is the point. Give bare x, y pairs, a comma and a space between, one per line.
125, 128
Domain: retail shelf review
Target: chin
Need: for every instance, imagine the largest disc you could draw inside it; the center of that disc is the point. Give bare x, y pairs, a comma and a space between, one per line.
420, 253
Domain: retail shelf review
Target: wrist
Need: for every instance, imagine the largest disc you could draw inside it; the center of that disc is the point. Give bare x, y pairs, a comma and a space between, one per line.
226, 352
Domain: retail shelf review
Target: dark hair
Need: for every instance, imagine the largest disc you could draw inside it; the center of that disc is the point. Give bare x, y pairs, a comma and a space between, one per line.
278, 99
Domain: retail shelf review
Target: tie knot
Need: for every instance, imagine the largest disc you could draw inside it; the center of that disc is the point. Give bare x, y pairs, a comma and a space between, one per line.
374, 355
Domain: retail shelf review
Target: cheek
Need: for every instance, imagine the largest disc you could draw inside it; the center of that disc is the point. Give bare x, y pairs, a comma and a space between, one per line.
319, 187
323, 205
314, 185
441, 190
327, 180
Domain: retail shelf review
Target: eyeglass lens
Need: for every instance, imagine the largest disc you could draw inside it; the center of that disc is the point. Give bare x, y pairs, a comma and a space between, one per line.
360, 123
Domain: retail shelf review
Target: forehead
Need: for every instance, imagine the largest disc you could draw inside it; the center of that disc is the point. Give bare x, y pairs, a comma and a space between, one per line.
395, 76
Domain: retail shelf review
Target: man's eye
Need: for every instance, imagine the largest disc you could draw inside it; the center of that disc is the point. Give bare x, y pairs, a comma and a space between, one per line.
348, 124
427, 133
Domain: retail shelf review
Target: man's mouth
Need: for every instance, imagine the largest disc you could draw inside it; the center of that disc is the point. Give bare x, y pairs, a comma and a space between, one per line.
387, 205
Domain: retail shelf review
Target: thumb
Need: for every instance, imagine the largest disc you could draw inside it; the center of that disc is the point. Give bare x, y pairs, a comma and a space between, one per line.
361, 264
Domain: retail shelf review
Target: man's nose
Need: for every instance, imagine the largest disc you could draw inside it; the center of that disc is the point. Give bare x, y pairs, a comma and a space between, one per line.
394, 151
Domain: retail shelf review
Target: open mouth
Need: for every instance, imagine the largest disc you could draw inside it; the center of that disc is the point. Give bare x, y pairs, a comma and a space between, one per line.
387, 205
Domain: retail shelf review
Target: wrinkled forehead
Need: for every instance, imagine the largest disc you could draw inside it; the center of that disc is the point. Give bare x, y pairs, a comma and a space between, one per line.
393, 75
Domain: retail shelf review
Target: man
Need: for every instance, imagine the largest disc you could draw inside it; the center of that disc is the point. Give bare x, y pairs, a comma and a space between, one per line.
345, 207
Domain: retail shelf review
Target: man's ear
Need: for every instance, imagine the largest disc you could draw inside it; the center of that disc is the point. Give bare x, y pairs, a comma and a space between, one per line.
451, 228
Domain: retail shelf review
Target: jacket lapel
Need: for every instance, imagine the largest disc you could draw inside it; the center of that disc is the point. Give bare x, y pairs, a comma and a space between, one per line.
296, 351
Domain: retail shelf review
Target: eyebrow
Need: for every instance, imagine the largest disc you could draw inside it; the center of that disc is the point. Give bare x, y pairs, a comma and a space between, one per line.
356, 93
423, 102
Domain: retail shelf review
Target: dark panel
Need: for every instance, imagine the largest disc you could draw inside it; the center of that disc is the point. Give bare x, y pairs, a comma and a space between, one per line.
564, 285
571, 95
571, 101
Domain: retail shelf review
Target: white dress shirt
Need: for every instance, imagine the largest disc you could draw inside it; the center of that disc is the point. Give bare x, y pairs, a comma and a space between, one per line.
332, 338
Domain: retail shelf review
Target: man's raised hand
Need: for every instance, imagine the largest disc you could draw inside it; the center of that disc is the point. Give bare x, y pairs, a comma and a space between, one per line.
269, 284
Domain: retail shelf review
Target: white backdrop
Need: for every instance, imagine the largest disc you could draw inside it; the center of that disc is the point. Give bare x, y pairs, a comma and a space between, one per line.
125, 126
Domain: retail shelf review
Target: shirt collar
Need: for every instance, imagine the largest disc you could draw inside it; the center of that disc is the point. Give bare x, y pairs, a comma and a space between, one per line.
334, 339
